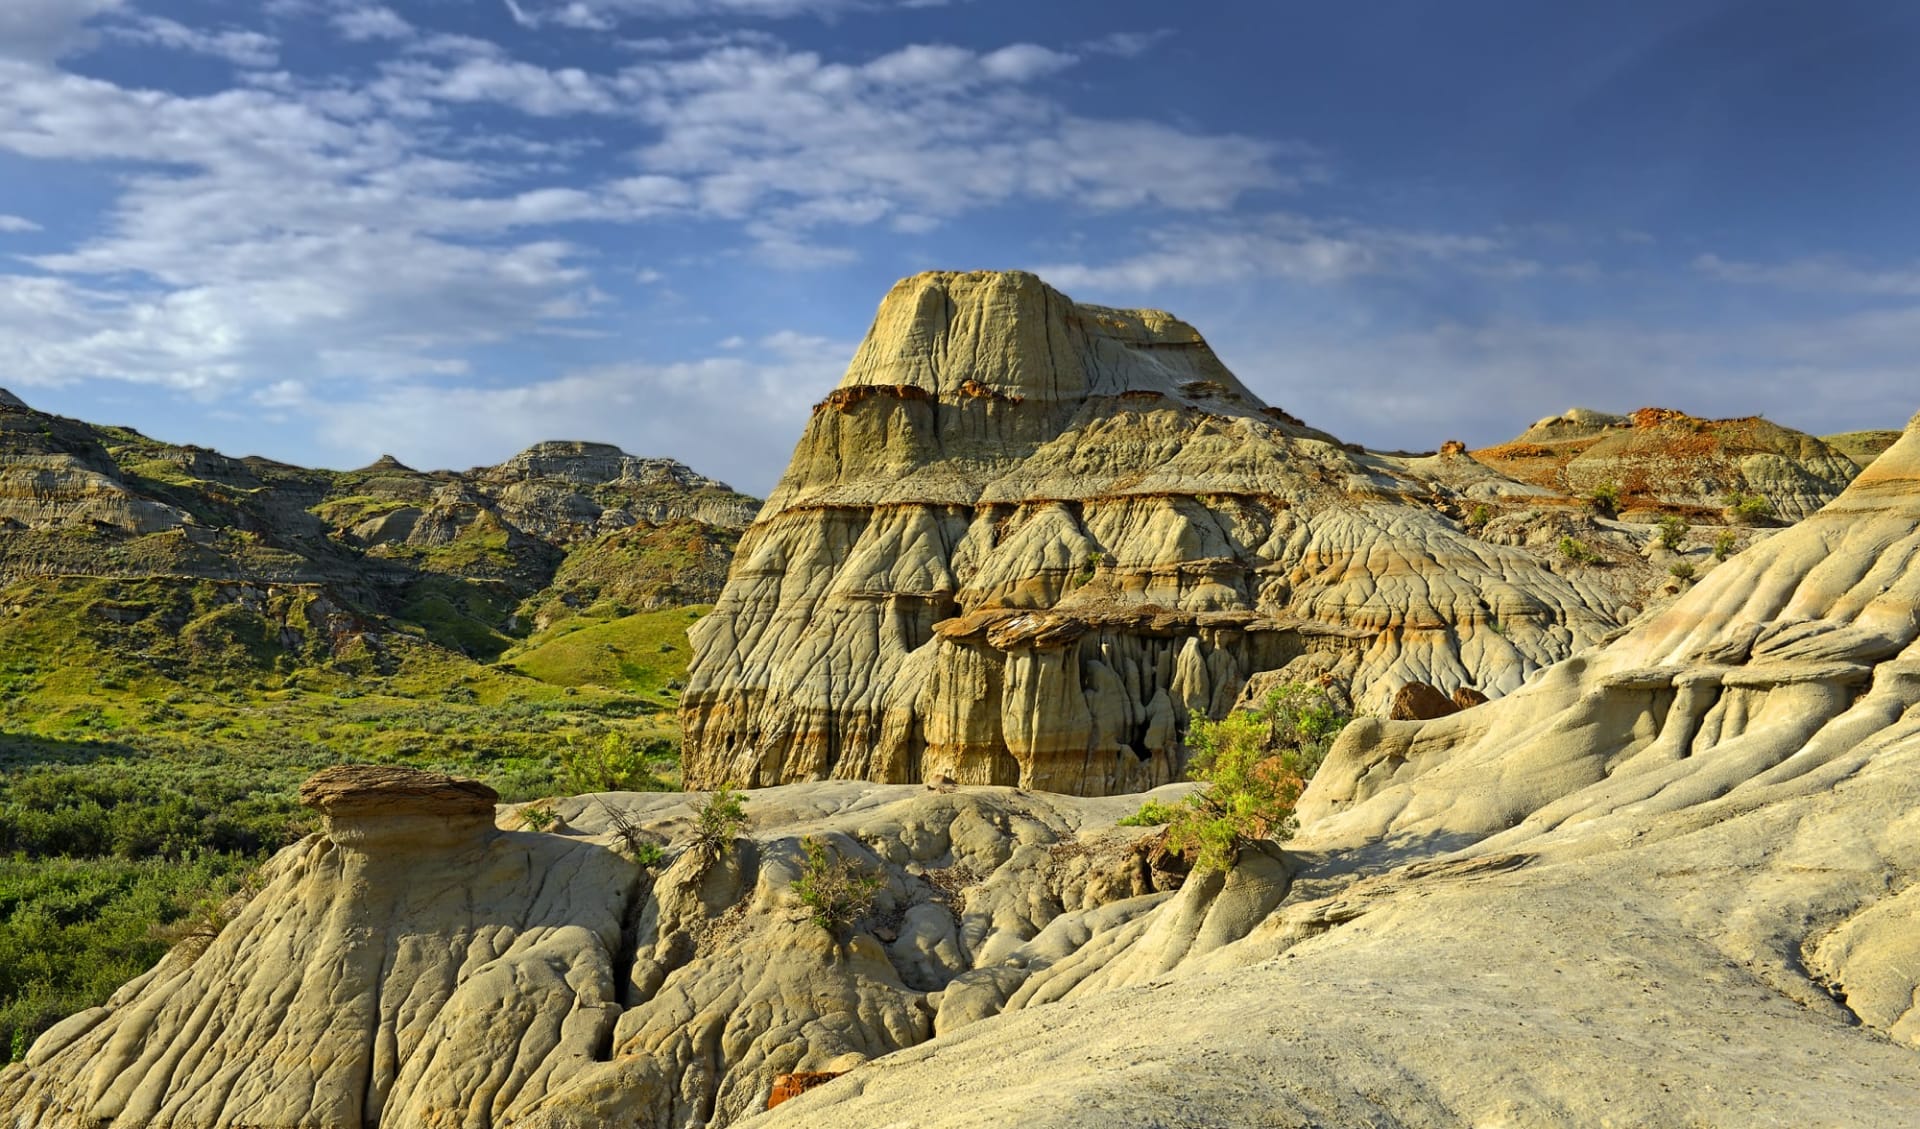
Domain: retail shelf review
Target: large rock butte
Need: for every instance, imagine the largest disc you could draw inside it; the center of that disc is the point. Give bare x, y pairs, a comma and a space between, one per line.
1025, 539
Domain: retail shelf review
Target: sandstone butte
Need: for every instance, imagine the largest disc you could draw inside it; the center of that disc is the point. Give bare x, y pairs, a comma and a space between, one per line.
1668, 881
1025, 539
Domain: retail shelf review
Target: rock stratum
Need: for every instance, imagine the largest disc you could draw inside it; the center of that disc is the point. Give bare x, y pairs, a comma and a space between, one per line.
1669, 881
1025, 539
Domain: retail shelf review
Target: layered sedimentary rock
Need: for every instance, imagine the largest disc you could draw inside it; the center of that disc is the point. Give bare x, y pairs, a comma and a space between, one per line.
411, 965
1661, 459
1669, 882
1025, 539
486, 551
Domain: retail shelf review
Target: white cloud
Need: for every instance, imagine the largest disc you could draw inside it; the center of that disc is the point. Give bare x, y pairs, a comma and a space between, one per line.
1826, 275
17, 224
1484, 384
362, 22
735, 416
43, 30
241, 48
339, 231
600, 15
1278, 246
1127, 44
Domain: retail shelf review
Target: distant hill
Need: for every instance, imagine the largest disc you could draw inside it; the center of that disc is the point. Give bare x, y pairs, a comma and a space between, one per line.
315, 566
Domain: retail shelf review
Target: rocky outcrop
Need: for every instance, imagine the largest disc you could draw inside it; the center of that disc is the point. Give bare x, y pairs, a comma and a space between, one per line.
1663, 460
412, 966
1668, 882
409, 966
1025, 539
1862, 446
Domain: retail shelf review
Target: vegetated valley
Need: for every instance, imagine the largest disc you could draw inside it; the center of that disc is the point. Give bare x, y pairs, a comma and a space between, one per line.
185, 637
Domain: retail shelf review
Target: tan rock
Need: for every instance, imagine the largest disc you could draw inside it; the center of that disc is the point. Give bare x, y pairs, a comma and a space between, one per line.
1025, 540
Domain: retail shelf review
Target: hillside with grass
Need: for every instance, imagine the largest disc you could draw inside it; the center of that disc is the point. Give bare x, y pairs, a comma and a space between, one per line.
184, 637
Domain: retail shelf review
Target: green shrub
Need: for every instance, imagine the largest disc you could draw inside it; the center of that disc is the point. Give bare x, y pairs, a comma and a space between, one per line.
1153, 813
1577, 551
539, 817
616, 763
717, 821
1673, 531
836, 890
1605, 499
1723, 545
1682, 571
1253, 764
1481, 515
1748, 509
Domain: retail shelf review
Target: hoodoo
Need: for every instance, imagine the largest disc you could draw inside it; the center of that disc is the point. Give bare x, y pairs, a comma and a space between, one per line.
1025, 539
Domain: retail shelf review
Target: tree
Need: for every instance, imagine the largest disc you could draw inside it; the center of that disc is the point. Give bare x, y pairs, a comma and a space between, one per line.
1253, 764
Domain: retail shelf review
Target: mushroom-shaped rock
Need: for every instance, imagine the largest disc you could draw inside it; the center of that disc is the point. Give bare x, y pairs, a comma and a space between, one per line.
364, 804
410, 966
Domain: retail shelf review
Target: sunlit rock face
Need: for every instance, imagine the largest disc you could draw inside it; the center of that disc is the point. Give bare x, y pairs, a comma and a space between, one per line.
1025, 540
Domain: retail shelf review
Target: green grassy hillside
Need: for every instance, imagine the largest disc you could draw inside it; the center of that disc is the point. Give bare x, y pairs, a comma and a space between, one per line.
153, 734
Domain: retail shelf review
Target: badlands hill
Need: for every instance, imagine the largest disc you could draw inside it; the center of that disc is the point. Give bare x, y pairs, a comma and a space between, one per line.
1669, 881
1666, 461
1025, 539
323, 564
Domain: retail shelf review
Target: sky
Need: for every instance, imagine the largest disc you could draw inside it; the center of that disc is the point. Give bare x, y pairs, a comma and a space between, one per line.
323, 230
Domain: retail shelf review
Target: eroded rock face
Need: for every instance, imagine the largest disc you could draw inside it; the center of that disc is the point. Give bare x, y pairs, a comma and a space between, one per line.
1025, 539
414, 967
1670, 881
411, 966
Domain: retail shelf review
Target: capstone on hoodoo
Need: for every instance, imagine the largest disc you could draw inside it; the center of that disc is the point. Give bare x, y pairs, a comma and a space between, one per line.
1025, 539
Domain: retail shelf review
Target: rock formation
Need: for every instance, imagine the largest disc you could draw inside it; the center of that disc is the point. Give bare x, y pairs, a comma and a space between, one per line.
412, 966
409, 966
1025, 538
552, 530
1669, 881
1665, 460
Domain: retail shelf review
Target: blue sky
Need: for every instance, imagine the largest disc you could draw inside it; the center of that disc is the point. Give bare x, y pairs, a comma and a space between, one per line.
325, 229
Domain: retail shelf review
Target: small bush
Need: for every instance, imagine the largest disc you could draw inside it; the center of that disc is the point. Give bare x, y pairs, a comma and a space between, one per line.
1605, 499
538, 818
1748, 509
1673, 531
1577, 551
1682, 571
837, 891
1724, 544
1481, 515
1153, 813
717, 821
616, 763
